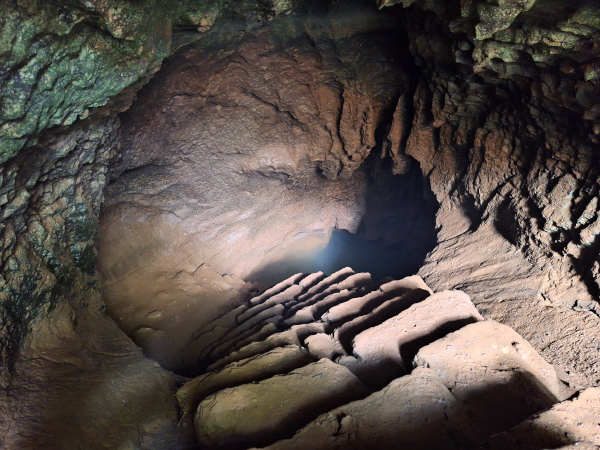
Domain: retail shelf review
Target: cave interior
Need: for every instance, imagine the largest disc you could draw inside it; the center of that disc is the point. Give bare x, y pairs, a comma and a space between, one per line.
295, 224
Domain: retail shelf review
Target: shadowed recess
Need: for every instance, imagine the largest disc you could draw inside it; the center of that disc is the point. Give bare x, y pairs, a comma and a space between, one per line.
395, 234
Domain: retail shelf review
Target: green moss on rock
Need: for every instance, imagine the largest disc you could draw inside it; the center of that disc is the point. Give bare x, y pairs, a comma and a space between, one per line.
58, 60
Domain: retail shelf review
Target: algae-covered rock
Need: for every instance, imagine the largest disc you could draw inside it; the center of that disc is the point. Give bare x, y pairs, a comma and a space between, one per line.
58, 59
57, 62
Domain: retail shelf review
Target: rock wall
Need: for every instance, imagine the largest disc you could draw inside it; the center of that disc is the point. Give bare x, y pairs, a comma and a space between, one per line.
59, 59
51, 201
60, 352
517, 191
237, 160
70, 378
500, 110
500, 121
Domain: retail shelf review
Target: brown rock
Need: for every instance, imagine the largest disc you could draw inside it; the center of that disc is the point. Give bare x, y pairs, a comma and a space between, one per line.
255, 414
323, 345
233, 161
360, 305
508, 288
494, 373
416, 411
294, 336
570, 424
385, 351
266, 365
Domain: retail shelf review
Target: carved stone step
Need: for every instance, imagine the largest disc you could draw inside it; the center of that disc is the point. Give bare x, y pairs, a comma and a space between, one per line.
296, 335
490, 368
385, 351
263, 412
434, 362
274, 362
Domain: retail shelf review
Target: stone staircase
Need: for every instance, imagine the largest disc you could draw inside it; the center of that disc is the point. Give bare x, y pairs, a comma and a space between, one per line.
340, 361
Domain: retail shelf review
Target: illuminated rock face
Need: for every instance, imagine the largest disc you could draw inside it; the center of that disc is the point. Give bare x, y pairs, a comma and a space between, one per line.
494, 105
237, 162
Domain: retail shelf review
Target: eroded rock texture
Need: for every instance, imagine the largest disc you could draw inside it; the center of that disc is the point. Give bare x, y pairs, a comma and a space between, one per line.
248, 149
70, 377
267, 160
342, 362
517, 192
238, 160
58, 59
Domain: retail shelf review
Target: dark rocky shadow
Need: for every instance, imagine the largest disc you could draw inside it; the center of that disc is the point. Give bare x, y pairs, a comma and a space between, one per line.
395, 235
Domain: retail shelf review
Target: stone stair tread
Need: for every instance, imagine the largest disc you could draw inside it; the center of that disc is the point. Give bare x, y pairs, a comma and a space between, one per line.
355, 281
234, 334
387, 350
352, 282
259, 413
352, 307
276, 361
322, 345
279, 287
225, 322
315, 310
361, 305
293, 336
334, 278
415, 411
259, 332
485, 354
386, 310
268, 329
285, 296
311, 280
406, 283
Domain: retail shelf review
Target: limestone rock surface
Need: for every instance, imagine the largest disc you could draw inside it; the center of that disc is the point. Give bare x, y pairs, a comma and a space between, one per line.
517, 195
60, 59
237, 161
466, 377
495, 103
566, 424
69, 377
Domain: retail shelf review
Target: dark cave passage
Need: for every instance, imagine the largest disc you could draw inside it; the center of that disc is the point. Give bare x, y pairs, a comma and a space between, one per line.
395, 233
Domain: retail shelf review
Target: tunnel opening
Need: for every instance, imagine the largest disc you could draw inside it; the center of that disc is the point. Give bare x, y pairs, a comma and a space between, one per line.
252, 157
395, 233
